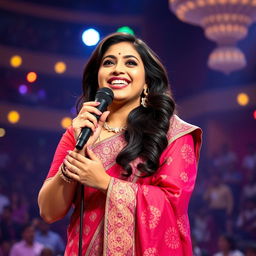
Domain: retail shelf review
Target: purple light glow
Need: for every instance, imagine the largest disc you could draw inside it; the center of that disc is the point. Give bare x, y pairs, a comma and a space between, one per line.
23, 89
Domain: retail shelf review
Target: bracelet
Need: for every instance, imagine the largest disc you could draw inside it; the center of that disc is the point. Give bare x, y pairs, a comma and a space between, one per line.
64, 176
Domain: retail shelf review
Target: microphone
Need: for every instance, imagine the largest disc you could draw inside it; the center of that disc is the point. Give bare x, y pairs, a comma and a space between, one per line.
105, 97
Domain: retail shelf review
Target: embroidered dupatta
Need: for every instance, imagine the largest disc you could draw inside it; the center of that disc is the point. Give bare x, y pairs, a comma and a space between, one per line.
138, 216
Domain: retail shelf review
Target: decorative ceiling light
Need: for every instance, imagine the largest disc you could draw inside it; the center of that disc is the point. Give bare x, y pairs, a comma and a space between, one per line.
225, 22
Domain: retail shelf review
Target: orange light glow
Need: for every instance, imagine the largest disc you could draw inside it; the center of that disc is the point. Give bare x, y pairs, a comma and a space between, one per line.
13, 116
31, 77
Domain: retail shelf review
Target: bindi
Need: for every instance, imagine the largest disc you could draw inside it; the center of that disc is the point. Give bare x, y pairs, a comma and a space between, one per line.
119, 53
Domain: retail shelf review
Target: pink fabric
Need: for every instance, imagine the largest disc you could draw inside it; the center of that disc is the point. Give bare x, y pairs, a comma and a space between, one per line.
138, 216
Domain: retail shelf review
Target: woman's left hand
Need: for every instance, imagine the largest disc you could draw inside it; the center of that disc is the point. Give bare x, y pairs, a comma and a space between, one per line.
88, 170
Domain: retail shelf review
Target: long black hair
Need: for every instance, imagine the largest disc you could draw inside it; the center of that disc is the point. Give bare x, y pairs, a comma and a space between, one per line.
146, 127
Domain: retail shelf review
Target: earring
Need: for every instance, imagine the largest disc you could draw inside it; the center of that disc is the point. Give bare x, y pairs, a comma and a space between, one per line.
144, 98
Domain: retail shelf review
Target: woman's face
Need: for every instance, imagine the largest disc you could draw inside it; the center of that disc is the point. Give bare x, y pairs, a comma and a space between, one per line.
122, 70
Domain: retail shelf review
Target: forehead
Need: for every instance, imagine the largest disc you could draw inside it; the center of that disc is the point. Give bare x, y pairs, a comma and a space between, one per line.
122, 49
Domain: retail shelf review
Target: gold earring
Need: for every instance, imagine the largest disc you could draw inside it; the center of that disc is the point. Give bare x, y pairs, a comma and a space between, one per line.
144, 98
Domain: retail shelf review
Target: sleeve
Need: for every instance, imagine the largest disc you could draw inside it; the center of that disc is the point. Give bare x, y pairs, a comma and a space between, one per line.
67, 142
155, 212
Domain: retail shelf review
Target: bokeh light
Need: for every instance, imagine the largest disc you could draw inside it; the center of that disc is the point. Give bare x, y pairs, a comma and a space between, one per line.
90, 37
254, 114
13, 117
60, 67
125, 29
66, 122
2, 132
31, 77
41, 94
242, 99
16, 61
23, 89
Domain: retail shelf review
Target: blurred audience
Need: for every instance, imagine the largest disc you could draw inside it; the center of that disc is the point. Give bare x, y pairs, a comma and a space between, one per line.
220, 202
48, 238
227, 246
27, 246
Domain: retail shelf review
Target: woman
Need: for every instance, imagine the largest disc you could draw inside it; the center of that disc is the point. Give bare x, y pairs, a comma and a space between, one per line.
138, 167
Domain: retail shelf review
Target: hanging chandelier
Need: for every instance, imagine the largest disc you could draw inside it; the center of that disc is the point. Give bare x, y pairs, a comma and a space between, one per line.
225, 22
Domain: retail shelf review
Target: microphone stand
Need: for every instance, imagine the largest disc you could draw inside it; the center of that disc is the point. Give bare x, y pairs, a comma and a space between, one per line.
80, 246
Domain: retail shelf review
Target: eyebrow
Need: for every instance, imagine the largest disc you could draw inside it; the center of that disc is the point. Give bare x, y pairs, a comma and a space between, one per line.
125, 57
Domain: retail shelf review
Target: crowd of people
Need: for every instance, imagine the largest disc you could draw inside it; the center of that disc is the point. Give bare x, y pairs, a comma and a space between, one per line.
223, 205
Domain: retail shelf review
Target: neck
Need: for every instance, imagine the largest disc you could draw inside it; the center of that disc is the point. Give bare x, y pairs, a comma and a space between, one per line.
118, 114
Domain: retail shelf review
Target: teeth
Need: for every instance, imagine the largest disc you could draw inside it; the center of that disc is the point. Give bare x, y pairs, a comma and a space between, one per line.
119, 82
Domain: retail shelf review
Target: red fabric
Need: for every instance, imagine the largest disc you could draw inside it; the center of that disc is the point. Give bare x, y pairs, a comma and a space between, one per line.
145, 216
66, 143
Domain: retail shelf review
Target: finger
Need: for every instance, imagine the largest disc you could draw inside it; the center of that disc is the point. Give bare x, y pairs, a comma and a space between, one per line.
69, 168
103, 118
92, 155
86, 123
91, 103
76, 156
90, 117
90, 109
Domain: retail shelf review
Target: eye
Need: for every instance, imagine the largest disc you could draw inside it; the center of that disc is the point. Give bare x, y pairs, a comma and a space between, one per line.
131, 63
107, 62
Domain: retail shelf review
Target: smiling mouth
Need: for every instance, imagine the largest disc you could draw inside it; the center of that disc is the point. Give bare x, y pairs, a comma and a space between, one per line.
116, 82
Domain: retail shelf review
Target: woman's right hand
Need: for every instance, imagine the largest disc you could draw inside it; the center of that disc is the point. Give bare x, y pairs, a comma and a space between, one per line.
85, 118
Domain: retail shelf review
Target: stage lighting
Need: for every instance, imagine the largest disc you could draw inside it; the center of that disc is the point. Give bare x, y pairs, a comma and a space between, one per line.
15, 61
31, 77
13, 117
242, 99
90, 37
23, 89
254, 114
2, 132
66, 122
60, 67
125, 29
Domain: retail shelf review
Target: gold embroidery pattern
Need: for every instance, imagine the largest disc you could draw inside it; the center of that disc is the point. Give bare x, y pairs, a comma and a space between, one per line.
169, 160
163, 176
119, 242
151, 217
183, 225
96, 248
187, 153
93, 216
145, 190
177, 126
184, 176
87, 230
171, 238
151, 252
109, 149
119, 230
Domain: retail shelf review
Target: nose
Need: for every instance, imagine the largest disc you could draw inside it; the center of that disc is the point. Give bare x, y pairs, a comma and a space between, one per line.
119, 68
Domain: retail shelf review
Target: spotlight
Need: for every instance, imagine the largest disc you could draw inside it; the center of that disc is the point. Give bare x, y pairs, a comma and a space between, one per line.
90, 37
31, 77
242, 99
15, 61
60, 67
66, 122
125, 29
2, 132
13, 117
23, 89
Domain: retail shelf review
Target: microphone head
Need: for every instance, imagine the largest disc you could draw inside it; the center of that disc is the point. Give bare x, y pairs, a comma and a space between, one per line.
106, 94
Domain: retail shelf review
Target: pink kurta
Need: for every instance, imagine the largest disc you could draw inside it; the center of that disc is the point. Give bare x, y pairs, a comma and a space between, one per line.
138, 216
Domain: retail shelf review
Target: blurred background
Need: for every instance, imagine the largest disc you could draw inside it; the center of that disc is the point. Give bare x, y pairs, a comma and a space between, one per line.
209, 50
